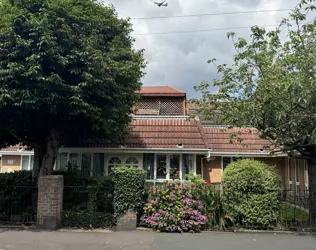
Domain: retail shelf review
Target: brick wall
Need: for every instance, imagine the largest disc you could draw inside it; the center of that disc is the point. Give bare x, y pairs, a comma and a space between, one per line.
50, 200
127, 222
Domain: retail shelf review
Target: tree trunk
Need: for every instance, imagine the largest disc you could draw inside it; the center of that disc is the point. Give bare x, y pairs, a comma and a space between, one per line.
50, 153
312, 190
38, 157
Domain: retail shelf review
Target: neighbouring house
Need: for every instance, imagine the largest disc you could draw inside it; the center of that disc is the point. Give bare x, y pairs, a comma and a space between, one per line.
167, 142
15, 158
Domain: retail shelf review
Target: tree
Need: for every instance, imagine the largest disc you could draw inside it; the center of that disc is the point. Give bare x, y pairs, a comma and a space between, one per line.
271, 86
68, 73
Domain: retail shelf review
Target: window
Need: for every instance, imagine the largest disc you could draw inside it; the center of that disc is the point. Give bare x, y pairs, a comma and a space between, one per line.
306, 176
149, 165
174, 171
297, 172
32, 162
25, 162
62, 159
98, 164
226, 161
74, 160
132, 161
161, 166
187, 165
86, 164
290, 170
10, 162
113, 162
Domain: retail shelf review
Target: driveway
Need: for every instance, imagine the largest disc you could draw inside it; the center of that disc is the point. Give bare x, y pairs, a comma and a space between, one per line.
26, 240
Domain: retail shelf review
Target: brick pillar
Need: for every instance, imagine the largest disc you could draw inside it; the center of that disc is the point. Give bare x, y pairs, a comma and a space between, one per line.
50, 201
127, 222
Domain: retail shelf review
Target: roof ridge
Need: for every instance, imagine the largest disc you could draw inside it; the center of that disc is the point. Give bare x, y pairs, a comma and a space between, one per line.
176, 89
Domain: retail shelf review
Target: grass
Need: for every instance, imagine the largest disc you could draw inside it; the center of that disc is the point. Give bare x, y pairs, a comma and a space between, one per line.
292, 213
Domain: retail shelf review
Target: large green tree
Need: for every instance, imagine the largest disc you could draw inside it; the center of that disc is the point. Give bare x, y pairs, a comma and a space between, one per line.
68, 72
272, 86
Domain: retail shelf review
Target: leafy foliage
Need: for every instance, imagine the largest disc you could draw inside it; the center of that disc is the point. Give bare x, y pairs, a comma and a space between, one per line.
173, 209
194, 179
68, 72
129, 183
271, 86
251, 191
218, 216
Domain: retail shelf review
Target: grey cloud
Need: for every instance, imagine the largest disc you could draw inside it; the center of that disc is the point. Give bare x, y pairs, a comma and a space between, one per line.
180, 60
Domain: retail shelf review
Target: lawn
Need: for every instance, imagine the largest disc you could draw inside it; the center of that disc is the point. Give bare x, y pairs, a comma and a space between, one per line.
292, 213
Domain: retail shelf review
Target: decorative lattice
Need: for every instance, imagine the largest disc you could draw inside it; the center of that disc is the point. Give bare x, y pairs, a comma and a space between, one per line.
171, 107
166, 106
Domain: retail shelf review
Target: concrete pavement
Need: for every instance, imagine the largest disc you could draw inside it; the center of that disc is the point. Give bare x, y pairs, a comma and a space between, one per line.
26, 240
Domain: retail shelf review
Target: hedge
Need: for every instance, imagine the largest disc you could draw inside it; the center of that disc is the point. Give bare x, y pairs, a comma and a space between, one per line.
251, 191
129, 183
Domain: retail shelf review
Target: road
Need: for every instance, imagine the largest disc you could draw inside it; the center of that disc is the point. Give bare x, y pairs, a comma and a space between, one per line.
26, 240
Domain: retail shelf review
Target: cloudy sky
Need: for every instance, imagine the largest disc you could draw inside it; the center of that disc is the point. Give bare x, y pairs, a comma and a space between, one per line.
180, 60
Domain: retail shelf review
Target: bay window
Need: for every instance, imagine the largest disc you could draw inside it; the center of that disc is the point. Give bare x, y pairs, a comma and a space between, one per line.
168, 166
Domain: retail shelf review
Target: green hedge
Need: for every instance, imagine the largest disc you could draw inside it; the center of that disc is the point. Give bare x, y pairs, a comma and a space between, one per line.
129, 183
251, 191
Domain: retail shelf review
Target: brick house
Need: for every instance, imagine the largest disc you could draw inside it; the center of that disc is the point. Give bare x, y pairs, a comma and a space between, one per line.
15, 158
165, 140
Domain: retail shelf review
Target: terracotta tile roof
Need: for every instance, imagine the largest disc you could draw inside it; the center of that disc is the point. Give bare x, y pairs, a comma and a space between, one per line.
161, 133
161, 91
17, 148
218, 139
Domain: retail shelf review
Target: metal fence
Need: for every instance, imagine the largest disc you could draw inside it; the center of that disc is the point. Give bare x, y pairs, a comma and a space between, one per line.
87, 207
18, 206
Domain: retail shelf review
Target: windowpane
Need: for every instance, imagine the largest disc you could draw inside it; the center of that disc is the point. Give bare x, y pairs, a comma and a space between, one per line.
148, 165
74, 160
32, 161
297, 172
113, 162
98, 164
306, 173
290, 169
174, 167
62, 160
187, 165
86, 164
161, 166
226, 161
25, 162
132, 161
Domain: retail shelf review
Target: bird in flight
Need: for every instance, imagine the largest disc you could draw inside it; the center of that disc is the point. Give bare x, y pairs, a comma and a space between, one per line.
161, 4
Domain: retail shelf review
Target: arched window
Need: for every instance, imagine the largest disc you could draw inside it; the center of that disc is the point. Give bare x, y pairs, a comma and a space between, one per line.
132, 161
113, 162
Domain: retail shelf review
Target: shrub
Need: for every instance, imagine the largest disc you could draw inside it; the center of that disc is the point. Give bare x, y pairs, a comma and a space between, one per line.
129, 183
251, 191
195, 179
173, 209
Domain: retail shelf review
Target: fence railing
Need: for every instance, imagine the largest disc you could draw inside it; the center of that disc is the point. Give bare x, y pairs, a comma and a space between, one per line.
87, 206
18, 206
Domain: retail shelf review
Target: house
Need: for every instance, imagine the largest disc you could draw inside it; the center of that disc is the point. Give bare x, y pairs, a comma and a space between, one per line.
164, 141
15, 158
168, 143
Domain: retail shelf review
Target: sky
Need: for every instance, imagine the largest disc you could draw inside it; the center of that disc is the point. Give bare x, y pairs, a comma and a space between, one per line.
180, 60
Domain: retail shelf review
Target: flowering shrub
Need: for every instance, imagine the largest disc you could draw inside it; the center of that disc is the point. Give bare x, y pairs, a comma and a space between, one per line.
172, 208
